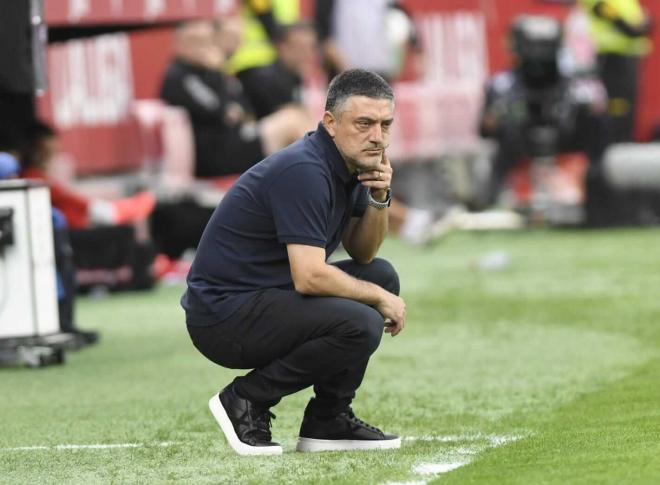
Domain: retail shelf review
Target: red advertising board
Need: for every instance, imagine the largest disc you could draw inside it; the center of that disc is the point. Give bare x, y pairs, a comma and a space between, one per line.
93, 81
123, 12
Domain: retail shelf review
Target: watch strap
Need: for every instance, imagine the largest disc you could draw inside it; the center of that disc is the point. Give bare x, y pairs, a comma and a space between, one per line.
378, 204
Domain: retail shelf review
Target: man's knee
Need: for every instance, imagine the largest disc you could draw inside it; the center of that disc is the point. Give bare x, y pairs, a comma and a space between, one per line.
365, 326
386, 275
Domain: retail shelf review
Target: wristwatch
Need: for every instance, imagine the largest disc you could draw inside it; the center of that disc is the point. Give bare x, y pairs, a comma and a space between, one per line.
381, 205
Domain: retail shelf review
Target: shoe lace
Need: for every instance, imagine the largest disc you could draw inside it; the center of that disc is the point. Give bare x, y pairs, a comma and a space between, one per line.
357, 421
261, 419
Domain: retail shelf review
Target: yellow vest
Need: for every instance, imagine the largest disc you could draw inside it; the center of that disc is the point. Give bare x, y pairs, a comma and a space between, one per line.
607, 38
256, 49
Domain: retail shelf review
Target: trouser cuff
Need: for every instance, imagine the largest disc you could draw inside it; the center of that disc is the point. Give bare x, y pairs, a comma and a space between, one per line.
326, 408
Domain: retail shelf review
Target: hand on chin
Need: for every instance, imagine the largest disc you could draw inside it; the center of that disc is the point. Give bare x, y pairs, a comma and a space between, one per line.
370, 161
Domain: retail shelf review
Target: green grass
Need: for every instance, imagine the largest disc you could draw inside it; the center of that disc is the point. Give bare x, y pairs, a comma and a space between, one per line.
560, 349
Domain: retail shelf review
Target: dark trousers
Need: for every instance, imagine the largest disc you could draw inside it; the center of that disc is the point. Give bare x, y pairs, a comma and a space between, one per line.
620, 75
67, 275
294, 341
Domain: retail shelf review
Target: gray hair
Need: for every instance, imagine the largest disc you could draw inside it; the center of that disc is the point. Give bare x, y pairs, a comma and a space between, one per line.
356, 82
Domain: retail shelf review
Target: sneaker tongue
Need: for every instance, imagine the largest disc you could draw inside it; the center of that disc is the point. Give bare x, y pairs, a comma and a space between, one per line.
262, 419
359, 422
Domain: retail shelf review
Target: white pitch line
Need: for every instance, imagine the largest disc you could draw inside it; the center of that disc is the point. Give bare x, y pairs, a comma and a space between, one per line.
437, 468
495, 440
419, 482
96, 446
462, 455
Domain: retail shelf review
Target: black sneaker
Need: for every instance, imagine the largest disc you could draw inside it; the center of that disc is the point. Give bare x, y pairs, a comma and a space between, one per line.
341, 433
246, 426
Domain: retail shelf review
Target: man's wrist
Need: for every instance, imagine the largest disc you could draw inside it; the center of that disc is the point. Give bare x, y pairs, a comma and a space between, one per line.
380, 296
381, 198
380, 195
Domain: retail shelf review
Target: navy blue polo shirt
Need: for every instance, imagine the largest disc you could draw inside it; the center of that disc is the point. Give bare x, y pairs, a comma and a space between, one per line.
303, 194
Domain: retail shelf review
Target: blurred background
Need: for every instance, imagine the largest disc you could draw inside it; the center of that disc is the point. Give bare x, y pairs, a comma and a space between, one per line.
526, 150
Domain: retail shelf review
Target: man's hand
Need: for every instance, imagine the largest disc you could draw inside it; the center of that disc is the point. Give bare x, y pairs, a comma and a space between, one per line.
393, 308
378, 180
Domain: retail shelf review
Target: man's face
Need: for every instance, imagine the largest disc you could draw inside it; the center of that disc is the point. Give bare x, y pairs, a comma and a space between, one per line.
47, 148
196, 44
361, 131
230, 35
298, 50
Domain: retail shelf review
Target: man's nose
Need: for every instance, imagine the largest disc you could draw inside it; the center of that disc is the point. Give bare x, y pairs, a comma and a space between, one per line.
376, 134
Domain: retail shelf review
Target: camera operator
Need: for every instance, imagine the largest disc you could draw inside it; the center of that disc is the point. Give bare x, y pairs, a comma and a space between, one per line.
533, 110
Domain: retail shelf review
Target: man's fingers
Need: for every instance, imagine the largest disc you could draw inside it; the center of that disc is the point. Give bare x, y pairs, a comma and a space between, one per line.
375, 175
395, 328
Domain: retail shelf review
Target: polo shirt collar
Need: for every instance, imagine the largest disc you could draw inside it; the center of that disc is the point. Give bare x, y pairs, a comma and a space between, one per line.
323, 138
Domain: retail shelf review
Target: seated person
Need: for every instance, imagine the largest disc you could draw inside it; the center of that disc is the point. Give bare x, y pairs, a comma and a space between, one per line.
66, 290
227, 139
40, 146
104, 233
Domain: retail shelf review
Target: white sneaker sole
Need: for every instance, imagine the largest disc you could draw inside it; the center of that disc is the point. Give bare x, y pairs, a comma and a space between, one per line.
227, 428
311, 445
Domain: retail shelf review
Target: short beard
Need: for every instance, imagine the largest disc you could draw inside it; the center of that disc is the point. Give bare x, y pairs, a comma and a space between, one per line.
361, 167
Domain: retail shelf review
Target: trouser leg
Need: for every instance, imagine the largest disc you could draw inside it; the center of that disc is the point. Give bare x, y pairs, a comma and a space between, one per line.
316, 339
66, 273
337, 392
294, 341
620, 74
510, 149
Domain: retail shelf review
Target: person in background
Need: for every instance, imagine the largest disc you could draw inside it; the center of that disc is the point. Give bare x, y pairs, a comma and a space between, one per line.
228, 36
66, 282
620, 31
227, 138
534, 110
370, 34
107, 235
22, 66
273, 86
262, 22
65, 271
378, 35
40, 146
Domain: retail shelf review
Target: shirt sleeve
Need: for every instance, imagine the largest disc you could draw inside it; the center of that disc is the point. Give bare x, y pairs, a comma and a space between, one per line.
361, 201
202, 97
300, 200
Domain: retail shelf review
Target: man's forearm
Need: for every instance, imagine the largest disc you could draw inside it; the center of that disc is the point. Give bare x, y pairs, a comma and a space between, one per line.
367, 235
329, 280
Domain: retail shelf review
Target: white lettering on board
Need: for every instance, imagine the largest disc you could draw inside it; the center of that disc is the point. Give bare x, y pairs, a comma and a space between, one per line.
92, 81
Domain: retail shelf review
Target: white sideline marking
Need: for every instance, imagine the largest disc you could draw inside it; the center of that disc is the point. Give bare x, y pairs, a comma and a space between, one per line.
421, 482
495, 440
97, 446
458, 457
437, 468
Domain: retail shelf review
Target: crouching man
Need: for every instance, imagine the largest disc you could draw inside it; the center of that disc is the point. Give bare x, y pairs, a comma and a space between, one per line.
261, 295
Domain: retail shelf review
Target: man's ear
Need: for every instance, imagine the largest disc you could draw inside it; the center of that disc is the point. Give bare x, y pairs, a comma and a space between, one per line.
330, 123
